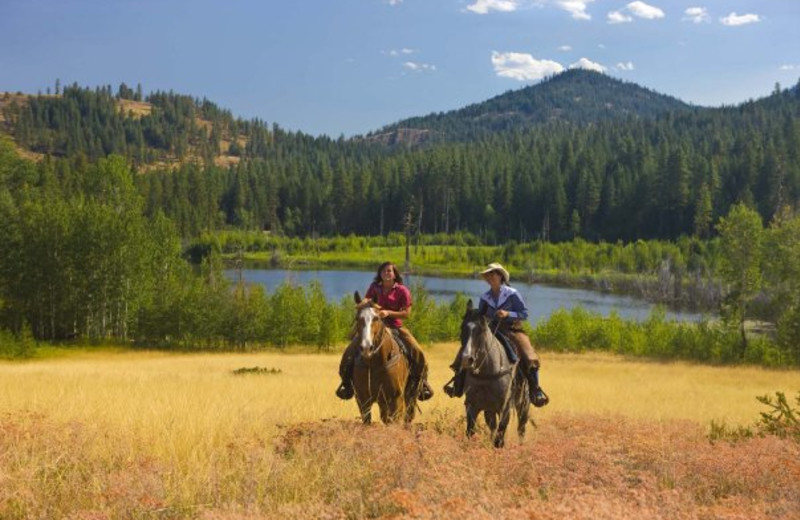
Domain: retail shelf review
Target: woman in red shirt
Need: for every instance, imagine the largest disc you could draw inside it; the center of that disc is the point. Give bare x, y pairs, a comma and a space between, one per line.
388, 291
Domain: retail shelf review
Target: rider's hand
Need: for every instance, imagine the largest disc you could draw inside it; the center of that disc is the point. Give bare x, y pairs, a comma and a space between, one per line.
502, 314
383, 313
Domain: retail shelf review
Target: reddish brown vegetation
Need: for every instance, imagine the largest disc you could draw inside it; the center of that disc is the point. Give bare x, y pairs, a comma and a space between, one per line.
569, 467
572, 467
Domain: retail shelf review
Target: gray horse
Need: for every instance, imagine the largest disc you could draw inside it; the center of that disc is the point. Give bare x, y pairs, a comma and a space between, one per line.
492, 385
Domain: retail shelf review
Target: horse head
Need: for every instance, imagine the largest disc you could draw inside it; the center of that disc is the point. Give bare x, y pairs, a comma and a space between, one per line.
474, 338
369, 326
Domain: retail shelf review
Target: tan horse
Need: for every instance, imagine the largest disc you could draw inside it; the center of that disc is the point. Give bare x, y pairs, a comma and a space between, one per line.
381, 370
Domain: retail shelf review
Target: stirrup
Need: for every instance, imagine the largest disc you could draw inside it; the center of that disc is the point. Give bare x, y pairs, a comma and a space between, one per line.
345, 391
539, 398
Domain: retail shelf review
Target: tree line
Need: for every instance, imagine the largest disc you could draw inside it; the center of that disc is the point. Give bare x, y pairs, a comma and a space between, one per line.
95, 266
637, 178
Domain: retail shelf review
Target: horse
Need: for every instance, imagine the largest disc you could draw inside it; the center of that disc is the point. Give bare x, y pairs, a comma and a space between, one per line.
381, 370
493, 385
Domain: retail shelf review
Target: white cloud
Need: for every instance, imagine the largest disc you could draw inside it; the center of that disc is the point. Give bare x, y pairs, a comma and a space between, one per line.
628, 66
734, 19
484, 6
565, 48
646, 11
398, 52
585, 63
523, 67
696, 15
789, 67
395, 2
637, 9
618, 17
419, 67
577, 8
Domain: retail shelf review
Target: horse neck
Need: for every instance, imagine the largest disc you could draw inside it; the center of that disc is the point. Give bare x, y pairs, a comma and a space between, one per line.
492, 357
386, 345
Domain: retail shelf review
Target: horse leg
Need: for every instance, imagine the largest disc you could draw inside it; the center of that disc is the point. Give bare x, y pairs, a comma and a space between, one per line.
399, 408
411, 409
365, 407
522, 419
393, 410
500, 438
471, 416
491, 422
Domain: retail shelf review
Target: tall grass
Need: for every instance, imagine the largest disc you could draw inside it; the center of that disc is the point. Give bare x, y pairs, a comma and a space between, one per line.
139, 434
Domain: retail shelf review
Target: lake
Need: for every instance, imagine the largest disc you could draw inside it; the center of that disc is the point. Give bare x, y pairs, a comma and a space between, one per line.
542, 300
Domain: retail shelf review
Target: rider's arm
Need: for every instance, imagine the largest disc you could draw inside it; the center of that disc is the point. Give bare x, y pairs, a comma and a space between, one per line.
518, 310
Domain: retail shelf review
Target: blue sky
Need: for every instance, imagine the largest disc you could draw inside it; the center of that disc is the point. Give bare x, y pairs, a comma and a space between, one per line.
351, 66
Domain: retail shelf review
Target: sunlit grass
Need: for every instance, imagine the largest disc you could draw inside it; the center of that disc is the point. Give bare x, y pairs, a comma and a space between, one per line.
189, 394
154, 428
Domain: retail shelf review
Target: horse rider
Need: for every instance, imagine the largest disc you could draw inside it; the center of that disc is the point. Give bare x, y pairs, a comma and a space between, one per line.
394, 298
506, 310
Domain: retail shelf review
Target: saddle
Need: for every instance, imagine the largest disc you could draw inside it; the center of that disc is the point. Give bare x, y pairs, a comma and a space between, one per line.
401, 344
507, 346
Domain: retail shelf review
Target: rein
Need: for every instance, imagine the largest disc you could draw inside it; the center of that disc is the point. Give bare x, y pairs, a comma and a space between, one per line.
489, 336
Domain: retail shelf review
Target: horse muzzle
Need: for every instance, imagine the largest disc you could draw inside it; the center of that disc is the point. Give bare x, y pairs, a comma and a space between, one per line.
368, 350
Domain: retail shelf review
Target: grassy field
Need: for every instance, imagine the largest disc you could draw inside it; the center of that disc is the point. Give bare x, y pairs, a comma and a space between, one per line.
150, 434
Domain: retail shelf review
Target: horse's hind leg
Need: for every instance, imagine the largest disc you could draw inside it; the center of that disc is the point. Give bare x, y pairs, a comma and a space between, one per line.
523, 409
522, 403
393, 410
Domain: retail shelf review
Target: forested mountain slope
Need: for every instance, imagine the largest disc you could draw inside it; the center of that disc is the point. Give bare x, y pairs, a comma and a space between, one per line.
643, 170
576, 96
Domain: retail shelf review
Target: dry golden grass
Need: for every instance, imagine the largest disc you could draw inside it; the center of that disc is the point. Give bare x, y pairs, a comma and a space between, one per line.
141, 434
137, 109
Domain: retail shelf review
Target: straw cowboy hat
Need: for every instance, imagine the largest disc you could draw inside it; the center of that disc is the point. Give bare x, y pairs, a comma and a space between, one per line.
494, 266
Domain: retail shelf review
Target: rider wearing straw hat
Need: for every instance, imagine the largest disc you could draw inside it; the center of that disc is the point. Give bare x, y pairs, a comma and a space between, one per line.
506, 310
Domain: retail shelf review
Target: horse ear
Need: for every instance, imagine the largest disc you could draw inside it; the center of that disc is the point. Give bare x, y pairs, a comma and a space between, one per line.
357, 297
469, 305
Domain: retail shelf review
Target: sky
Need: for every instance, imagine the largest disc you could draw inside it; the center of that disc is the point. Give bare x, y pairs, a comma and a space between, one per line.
348, 67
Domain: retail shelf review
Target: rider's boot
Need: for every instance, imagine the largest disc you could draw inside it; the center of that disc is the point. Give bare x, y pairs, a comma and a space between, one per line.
537, 395
457, 388
345, 390
425, 391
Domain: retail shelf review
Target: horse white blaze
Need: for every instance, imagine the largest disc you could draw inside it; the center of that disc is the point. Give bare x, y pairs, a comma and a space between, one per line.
468, 347
367, 315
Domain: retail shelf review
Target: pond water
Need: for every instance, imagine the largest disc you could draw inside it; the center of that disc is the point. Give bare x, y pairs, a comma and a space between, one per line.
542, 300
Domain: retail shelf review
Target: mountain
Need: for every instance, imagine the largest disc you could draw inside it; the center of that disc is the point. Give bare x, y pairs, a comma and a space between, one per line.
576, 96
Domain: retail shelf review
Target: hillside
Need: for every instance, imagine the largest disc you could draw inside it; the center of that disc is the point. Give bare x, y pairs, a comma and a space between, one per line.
163, 130
606, 161
575, 96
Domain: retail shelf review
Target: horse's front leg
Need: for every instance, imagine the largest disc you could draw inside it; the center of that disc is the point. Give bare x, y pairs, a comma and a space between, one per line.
365, 408
471, 418
491, 421
500, 438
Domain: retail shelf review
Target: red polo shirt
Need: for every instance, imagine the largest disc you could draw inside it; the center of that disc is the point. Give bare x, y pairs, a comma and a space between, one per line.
397, 299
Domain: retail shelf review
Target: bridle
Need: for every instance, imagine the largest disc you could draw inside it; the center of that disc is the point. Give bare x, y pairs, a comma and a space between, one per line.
376, 340
488, 337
